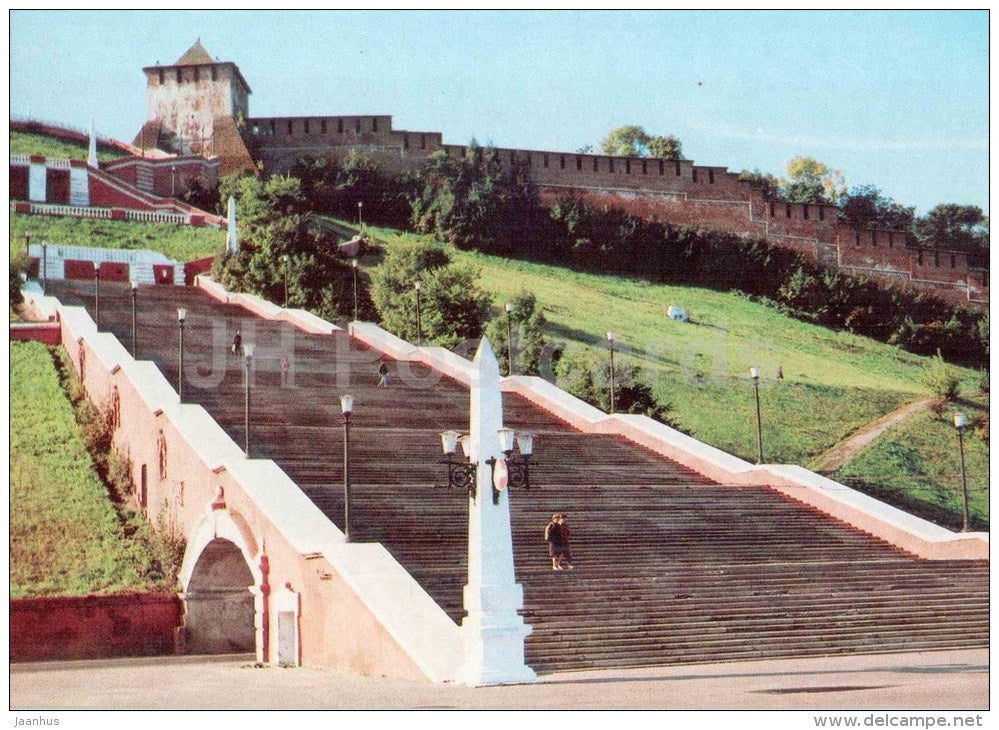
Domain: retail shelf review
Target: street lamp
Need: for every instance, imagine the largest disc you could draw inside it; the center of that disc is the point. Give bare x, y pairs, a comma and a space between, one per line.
611, 339
45, 267
97, 295
286, 259
419, 326
506, 472
360, 205
181, 316
347, 407
247, 363
754, 372
27, 244
960, 422
509, 338
135, 293
173, 180
459, 475
353, 266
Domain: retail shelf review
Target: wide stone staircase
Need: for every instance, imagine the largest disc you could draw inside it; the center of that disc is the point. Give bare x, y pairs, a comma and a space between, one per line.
670, 566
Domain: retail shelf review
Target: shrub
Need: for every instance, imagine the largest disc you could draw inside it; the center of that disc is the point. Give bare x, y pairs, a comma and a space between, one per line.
941, 379
18, 267
528, 341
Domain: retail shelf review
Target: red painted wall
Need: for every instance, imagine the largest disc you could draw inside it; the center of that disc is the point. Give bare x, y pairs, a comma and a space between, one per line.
77, 269
19, 182
79, 627
163, 273
45, 332
114, 271
198, 266
57, 186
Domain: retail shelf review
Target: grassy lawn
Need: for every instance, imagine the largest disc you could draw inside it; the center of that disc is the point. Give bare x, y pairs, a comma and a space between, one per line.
182, 243
834, 382
28, 143
66, 535
917, 466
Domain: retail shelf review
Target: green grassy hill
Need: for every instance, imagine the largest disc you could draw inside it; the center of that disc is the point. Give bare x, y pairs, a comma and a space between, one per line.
834, 382
66, 536
29, 143
183, 243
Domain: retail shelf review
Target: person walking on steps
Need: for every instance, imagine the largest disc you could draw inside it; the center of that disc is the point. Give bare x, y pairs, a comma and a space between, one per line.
557, 537
383, 373
237, 344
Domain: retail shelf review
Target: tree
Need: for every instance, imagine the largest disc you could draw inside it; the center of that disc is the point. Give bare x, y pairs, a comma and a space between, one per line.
633, 141
452, 305
472, 201
865, 206
766, 183
667, 148
528, 339
273, 223
950, 225
19, 264
586, 374
811, 181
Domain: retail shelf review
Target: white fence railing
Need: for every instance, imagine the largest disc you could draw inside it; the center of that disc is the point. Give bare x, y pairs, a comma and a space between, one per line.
79, 211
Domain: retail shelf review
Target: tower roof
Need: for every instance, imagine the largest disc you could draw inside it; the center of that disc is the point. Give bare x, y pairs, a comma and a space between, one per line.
196, 55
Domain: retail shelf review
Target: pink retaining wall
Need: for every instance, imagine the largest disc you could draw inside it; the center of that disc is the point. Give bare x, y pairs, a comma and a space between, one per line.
337, 629
48, 333
82, 627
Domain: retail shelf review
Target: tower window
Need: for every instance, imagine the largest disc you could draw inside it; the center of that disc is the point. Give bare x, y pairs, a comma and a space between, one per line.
662, 167
953, 261
787, 208
197, 74
645, 167
694, 174
822, 215
273, 128
804, 211
513, 158
936, 259
874, 239
919, 258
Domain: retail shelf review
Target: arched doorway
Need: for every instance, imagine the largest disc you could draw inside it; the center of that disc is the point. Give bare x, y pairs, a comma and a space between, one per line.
220, 604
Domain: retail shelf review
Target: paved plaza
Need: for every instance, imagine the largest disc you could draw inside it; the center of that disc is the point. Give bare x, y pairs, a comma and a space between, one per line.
952, 680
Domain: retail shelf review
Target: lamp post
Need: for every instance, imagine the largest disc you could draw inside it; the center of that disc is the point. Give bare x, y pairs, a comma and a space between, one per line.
353, 266
97, 295
509, 338
611, 339
755, 373
27, 244
181, 316
247, 364
173, 179
419, 325
960, 422
347, 407
506, 473
45, 267
360, 205
135, 293
286, 260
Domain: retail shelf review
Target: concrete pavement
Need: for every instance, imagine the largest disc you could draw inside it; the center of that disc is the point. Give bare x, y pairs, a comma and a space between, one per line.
947, 679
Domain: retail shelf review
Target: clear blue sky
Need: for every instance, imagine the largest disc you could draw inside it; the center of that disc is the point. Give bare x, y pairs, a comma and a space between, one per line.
895, 99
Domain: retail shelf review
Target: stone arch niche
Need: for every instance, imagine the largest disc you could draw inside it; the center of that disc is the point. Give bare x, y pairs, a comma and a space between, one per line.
220, 602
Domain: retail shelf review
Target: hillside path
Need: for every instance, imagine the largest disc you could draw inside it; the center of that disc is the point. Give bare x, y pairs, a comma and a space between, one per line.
840, 453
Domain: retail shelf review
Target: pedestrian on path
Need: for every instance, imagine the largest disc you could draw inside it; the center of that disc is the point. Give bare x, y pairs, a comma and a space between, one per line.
383, 373
285, 365
237, 344
557, 537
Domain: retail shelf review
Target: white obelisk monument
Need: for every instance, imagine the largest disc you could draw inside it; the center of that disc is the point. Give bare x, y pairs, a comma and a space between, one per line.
231, 238
92, 152
494, 631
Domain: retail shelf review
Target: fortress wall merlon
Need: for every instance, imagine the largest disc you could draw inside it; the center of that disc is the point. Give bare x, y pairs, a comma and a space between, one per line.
334, 130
